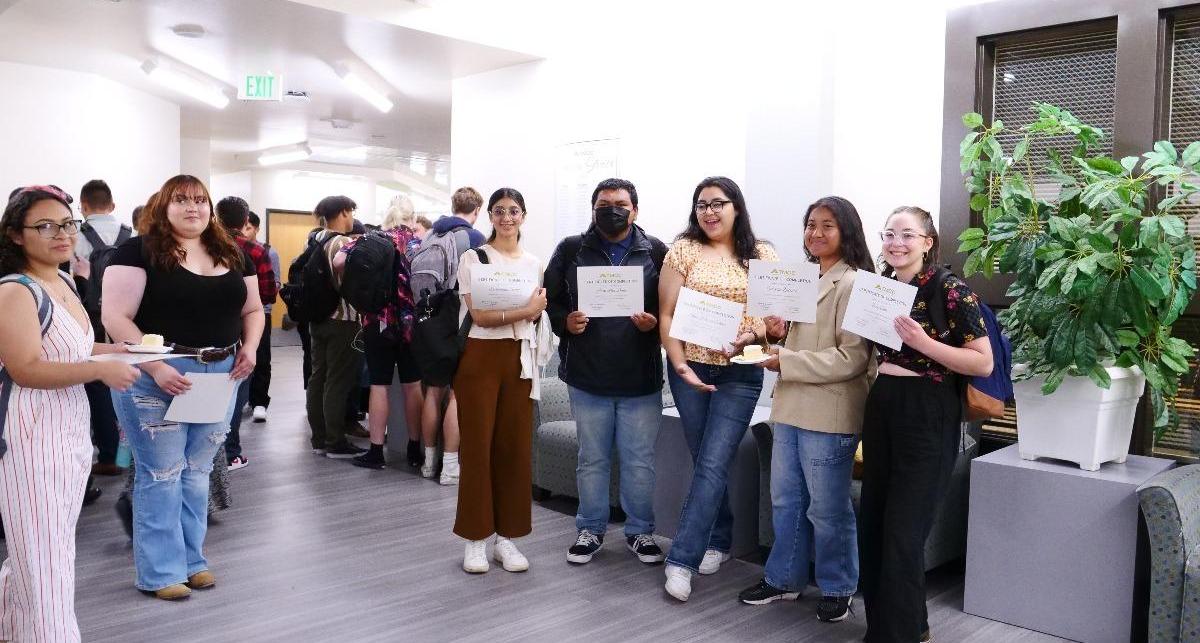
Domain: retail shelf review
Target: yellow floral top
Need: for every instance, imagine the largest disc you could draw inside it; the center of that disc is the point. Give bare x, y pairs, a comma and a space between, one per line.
724, 278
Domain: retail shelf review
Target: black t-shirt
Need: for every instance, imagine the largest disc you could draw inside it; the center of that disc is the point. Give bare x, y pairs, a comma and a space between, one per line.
186, 308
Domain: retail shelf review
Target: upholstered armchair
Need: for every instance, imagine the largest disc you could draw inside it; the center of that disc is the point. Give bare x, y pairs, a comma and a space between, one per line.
1171, 504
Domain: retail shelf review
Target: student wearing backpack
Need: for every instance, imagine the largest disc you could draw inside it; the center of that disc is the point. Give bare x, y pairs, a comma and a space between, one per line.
496, 383
613, 368
911, 429
817, 415
98, 238
45, 342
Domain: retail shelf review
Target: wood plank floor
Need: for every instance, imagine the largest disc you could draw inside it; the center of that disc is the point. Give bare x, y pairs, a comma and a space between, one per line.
316, 549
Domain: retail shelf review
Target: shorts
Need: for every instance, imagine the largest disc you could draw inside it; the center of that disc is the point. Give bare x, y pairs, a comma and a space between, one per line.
386, 357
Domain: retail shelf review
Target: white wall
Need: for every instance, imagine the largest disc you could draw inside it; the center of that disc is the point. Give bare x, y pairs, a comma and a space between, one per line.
296, 189
195, 158
65, 128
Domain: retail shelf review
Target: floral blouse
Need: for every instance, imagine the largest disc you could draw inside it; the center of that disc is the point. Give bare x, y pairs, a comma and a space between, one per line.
962, 316
724, 278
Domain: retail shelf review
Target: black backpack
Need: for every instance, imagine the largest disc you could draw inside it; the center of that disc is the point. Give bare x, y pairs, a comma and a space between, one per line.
438, 339
100, 256
369, 278
309, 293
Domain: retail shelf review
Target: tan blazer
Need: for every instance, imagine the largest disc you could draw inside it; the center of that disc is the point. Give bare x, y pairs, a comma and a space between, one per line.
823, 370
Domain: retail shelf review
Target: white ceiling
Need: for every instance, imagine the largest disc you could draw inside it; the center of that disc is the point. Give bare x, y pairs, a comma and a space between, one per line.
111, 38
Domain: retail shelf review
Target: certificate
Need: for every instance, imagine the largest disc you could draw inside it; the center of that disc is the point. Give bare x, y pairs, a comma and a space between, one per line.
874, 305
705, 320
206, 402
496, 287
787, 289
614, 291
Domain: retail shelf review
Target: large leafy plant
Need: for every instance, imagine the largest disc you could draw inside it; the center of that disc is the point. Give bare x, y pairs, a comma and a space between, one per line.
1102, 269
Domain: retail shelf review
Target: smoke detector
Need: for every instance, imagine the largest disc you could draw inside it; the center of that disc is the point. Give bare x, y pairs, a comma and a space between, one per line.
188, 31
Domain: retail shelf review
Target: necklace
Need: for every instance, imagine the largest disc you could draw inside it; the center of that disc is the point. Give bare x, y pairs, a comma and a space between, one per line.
54, 292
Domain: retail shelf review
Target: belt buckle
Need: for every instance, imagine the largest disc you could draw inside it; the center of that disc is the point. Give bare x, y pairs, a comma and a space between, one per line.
201, 355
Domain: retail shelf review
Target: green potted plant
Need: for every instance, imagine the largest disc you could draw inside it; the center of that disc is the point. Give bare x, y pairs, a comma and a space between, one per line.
1102, 268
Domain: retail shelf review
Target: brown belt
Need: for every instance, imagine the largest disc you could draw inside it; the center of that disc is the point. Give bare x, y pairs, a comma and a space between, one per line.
205, 355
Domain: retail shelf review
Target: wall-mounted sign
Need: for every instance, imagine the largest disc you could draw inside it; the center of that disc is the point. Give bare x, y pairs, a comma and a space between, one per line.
266, 86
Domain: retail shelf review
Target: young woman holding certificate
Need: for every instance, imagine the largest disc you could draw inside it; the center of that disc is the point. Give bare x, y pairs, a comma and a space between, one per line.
715, 398
911, 429
496, 384
817, 411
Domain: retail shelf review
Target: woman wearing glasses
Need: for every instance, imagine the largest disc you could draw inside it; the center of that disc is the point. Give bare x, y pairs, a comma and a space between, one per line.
45, 441
495, 385
186, 280
911, 429
715, 399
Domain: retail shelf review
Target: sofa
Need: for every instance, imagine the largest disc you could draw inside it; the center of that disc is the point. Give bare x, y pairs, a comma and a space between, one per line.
948, 537
1171, 505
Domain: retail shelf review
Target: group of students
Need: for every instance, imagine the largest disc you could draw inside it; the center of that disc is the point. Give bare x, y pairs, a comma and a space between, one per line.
187, 278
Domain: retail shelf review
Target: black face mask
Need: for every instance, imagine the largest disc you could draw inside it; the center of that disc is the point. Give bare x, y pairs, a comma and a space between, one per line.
612, 220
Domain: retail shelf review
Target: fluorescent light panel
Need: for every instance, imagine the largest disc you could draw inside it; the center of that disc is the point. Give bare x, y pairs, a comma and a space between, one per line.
285, 154
186, 85
360, 86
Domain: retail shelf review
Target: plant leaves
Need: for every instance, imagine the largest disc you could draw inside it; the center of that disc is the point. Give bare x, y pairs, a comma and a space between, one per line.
1127, 338
1174, 363
1053, 381
1105, 164
1021, 150
972, 120
1167, 150
979, 202
1191, 154
1147, 284
1173, 226
1100, 376
1129, 162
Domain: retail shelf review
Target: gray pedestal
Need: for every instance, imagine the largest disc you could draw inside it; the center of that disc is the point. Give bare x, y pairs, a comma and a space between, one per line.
673, 475
1052, 548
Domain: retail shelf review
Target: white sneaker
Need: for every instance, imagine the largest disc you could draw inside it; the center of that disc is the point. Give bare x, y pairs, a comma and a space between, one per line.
260, 414
427, 468
450, 472
475, 557
712, 561
505, 552
679, 582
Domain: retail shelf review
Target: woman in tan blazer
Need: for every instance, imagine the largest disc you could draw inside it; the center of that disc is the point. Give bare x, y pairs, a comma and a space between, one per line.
817, 412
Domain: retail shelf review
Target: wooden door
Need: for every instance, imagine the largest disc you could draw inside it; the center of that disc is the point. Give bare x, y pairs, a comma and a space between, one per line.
287, 232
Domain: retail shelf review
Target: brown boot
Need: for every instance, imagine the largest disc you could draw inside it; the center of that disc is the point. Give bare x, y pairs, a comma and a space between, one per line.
173, 592
202, 580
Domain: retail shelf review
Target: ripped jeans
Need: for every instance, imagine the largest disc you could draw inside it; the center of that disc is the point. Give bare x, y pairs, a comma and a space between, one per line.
170, 491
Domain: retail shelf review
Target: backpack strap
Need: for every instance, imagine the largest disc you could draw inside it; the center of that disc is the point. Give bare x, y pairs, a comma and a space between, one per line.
467, 322
92, 236
937, 303
45, 312
123, 234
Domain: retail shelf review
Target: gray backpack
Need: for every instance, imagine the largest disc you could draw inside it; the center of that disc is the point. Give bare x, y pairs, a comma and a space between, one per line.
433, 266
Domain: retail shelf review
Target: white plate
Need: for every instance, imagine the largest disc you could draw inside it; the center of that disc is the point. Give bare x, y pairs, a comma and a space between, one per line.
739, 359
148, 350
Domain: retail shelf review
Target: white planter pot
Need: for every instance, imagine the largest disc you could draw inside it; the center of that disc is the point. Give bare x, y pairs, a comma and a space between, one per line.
1080, 422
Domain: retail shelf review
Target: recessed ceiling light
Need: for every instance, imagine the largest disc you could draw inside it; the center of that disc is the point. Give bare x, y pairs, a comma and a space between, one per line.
188, 31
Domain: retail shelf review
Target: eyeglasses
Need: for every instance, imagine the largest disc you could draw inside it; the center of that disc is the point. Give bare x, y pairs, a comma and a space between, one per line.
715, 206
183, 199
513, 213
49, 230
906, 237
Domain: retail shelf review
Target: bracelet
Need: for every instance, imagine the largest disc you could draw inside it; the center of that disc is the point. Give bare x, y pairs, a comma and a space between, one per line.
503, 316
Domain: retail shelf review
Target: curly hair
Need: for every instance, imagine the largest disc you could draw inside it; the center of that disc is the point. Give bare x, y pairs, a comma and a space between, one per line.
163, 249
12, 254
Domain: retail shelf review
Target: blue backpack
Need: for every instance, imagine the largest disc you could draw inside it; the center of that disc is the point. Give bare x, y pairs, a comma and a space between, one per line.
984, 398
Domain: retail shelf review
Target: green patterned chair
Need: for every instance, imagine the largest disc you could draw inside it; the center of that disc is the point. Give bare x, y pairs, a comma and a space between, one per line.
1171, 504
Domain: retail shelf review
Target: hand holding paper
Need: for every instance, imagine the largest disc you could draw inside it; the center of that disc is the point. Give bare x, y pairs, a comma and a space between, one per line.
610, 291
874, 305
787, 289
496, 287
705, 320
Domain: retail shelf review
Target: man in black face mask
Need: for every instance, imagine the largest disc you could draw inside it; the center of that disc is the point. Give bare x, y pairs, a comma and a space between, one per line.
613, 368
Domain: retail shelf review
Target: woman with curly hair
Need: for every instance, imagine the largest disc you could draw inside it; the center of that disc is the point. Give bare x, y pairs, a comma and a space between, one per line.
45, 442
186, 280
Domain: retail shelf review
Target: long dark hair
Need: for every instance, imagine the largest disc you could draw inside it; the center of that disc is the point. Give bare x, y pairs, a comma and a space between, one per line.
12, 224
853, 242
745, 244
931, 256
163, 249
502, 193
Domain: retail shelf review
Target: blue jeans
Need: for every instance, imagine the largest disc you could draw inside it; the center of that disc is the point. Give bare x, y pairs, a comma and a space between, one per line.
811, 509
632, 423
233, 441
713, 426
170, 489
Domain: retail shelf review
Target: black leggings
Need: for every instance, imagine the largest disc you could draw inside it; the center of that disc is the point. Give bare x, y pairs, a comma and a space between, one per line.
910, 442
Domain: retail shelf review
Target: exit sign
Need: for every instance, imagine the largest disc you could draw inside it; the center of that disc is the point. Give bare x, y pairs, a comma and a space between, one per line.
266, 86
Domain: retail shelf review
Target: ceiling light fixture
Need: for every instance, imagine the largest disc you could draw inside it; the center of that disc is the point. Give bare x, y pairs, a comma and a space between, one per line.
357, 84
285, 154
188, 31
184, 84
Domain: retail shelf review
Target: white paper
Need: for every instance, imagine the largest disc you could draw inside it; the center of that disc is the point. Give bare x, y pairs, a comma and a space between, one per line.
206, 402
578, 168
705, 320
874, 305
133, 358
787, 289
497, 287
613, 291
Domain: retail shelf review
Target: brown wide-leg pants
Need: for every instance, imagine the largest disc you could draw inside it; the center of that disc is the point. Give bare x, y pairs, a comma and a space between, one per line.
495, 418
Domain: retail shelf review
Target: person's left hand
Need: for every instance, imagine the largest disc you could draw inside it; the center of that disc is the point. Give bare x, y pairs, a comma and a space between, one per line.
644, 321
736, 346
772, 362
911, 333
243, 365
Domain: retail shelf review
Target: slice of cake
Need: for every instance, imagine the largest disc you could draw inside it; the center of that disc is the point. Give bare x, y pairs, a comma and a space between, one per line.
752, 353
152, 340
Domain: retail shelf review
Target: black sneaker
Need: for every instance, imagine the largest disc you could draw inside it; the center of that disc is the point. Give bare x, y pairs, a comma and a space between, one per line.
646, 549
586, 546
764, 593
343, 451
415, 457
369, 461
832, 609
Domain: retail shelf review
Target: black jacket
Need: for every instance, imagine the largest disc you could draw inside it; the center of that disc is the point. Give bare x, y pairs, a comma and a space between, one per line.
612, 357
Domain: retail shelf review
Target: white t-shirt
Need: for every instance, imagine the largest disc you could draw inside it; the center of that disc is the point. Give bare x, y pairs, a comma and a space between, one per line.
516, 330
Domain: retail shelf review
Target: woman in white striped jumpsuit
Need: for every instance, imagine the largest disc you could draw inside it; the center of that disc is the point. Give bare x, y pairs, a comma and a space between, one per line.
45, 452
